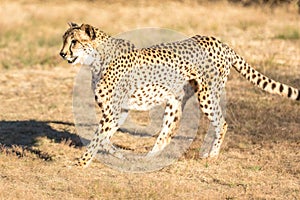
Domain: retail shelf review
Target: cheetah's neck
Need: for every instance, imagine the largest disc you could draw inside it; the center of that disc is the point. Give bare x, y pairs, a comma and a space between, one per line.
108, 50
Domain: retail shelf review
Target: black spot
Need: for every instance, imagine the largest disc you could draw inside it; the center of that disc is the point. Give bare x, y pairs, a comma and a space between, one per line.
101, 122
298, 97
281, 88
258, 81
273, 86
270, 81
265, 85
290, 92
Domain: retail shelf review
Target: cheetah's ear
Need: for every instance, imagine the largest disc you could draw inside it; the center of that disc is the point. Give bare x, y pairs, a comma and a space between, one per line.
72, 24
89, 30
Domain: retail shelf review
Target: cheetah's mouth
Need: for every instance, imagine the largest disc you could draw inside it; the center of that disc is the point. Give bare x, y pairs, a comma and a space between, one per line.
73, 60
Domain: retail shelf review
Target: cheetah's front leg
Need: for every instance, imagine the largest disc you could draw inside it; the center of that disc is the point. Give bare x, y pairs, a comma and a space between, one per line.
171, 122
101, 140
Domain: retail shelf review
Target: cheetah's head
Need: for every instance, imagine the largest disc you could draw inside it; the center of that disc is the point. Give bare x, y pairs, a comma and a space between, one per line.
79, 44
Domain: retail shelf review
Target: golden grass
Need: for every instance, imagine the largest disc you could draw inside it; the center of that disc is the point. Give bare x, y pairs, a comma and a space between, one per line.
259, 159
38, 26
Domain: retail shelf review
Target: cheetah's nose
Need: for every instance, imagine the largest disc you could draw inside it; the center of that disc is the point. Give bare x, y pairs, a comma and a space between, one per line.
62, 54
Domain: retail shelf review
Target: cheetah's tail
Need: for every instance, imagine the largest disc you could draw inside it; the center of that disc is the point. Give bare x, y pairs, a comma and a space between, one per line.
263, 81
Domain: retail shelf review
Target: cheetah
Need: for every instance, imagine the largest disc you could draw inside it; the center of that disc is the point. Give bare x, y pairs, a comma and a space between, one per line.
124, 77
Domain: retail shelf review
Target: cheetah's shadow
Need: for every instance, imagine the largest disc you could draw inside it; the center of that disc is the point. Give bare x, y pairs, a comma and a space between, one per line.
25, 134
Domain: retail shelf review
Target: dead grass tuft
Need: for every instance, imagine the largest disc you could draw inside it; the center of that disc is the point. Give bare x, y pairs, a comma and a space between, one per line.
24, 151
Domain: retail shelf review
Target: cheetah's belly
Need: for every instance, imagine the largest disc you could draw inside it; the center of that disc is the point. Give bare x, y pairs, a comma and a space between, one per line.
147, 97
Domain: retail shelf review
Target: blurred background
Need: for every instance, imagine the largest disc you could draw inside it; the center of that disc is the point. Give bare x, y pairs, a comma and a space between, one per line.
33, 28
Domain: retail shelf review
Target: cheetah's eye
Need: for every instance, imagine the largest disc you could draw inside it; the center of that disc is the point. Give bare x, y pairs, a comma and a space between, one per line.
74, 42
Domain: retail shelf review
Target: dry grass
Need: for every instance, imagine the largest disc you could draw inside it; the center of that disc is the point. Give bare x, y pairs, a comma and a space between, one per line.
259, 159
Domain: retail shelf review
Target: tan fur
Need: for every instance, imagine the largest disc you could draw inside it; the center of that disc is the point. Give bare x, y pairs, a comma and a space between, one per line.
129, 78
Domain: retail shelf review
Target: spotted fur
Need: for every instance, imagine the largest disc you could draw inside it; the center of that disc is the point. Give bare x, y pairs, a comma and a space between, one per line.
128, 78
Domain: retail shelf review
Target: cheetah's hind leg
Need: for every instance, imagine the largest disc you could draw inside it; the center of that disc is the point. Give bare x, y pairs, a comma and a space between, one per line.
210, 105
